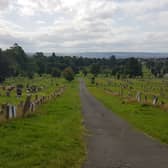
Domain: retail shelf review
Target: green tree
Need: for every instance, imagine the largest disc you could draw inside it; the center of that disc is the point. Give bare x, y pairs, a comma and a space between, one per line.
56, 72
84, 71
68, 74
7, 66
41, 62
95, 69
132, 67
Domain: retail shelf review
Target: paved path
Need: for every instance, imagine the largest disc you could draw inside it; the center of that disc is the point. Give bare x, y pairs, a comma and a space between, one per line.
113, 143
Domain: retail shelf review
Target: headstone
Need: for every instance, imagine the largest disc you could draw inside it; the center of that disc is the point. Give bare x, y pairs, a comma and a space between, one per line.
138, 96
32, 107
26, 105
19, 92
9, 112
155, 100
14, 111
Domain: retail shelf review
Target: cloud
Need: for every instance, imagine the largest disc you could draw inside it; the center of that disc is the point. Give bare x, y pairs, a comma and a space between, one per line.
4, 4
77, 25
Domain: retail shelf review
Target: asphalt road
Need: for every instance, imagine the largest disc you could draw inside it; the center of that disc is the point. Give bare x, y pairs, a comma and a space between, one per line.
113, 143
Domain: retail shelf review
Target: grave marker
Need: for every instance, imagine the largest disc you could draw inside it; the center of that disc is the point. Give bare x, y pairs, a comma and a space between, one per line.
26, 105
138, 96
155, 100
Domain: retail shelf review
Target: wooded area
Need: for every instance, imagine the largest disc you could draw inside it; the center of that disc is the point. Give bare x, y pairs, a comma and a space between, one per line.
15, 62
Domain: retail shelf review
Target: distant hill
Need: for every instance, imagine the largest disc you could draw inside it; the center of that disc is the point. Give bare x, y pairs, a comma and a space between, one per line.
108, 54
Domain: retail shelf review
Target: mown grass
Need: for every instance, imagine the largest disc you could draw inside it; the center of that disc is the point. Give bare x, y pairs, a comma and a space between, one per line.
51, 138
147, 118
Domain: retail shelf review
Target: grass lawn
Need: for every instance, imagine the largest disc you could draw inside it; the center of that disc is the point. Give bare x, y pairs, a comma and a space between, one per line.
51, 138
149, 119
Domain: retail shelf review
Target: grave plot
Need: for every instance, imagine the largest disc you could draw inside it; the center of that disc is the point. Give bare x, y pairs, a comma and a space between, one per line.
147, 91
20, 96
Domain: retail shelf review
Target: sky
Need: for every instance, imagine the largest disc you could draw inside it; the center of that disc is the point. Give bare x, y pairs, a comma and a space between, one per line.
85, 25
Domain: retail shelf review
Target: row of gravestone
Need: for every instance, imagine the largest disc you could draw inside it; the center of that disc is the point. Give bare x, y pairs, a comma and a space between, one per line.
19, 89
155, 99
9, 111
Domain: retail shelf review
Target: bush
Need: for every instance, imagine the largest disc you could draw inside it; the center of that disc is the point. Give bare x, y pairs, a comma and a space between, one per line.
68, 74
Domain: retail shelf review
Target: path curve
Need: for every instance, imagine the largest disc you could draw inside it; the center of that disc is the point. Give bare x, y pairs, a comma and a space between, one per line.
113, 143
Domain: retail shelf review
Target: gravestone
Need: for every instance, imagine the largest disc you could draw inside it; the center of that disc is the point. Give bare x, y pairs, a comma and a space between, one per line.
18, 91
32, 107
9, 112
138, 96
14, 111
155, 100
27, 105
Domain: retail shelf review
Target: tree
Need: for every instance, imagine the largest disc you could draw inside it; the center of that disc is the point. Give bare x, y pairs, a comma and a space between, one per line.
18, 54
56, 72
6, 66
112, 61
132, 67
14, 61
84, 71
41, 62
68, 74
95, 69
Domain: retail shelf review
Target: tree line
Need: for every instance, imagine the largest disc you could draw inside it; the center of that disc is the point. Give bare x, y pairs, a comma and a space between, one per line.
158, 67
14, 61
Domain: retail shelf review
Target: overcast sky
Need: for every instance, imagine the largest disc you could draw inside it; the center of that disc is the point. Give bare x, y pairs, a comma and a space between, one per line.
85, 25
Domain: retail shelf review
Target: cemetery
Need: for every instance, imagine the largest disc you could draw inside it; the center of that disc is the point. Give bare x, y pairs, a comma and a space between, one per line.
83, 84
18, 98
44, 115
61, 111
144, 91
